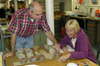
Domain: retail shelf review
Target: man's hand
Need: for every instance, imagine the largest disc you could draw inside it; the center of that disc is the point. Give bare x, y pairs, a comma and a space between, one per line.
65, 49
52, 38
63, 58
13, 41
8, 54
57, 47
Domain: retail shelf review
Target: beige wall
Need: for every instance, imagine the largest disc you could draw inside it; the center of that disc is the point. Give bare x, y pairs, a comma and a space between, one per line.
68, 5
85, 6
2, 5
56, 4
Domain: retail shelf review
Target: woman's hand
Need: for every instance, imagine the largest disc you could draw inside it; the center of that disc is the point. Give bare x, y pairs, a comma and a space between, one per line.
65, 49
63, 58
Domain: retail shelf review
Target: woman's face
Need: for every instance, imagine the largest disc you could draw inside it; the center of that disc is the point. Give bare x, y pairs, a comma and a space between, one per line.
71, 33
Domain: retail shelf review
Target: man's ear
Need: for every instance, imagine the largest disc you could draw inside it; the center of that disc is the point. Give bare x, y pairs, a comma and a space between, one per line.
29, 11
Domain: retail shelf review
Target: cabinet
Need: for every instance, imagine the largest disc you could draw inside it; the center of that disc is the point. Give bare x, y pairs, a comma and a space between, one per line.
57, 26
92, 31
98, 33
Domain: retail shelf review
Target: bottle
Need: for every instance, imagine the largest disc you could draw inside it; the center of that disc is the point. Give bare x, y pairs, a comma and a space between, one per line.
97, 12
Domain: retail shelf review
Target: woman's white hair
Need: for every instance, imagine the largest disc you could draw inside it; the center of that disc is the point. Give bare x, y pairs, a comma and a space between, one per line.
73, 23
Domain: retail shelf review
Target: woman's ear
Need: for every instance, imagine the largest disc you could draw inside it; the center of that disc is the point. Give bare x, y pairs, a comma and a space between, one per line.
65, 31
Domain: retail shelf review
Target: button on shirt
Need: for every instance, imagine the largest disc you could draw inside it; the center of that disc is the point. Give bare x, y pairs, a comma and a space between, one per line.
21, 25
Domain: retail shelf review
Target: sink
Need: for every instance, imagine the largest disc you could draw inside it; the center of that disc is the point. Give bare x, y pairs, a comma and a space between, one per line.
82, 15
90, 17
79, 15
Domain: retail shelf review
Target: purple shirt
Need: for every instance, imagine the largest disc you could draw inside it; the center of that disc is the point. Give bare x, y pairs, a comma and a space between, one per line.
82, 48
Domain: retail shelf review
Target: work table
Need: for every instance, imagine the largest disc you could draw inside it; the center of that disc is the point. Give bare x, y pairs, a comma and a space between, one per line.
10, 61
88, 18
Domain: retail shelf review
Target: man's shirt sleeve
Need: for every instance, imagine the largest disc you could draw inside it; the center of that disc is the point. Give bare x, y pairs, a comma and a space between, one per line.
44, 24
13, 25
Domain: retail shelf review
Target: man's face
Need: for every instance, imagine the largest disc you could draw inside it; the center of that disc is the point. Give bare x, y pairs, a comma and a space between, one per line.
36, 14
71, 33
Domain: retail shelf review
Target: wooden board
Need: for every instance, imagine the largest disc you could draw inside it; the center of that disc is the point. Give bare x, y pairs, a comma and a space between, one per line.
1, 60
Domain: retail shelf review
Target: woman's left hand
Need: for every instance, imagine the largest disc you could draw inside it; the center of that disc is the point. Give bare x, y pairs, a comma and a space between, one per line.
63, 58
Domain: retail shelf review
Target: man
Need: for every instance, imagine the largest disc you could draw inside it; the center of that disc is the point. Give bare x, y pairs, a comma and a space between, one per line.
24, 24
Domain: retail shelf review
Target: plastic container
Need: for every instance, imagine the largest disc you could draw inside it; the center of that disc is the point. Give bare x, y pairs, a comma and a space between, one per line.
41, 57
18, 53
52, 51
23, 60
21, 56
57, 54
29, 55
32, 59
26, 49
46, 46
20, 49
72, 64
36, 47
51, 47
37, 53
29, 51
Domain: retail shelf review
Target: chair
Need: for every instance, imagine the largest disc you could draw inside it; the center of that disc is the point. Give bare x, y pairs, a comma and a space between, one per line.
2, 46
98, 51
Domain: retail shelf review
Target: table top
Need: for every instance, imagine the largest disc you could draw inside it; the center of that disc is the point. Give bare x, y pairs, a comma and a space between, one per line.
0, 60
81, 62
88, 18
4, 20
55, 63
4, 26
9, 62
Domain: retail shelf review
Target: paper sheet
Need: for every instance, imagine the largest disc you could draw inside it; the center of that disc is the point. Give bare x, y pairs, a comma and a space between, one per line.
47, 55
69, 49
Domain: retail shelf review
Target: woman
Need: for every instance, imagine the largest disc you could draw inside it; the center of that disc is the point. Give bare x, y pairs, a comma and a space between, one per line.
78, 40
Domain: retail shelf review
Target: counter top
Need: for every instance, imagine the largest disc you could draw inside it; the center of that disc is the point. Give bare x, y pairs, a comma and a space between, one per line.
88, 18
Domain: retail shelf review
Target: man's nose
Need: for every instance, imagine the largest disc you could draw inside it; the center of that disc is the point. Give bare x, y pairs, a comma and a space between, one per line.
39, 16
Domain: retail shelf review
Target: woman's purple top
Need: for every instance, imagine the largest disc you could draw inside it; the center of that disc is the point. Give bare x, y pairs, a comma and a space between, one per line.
82, 48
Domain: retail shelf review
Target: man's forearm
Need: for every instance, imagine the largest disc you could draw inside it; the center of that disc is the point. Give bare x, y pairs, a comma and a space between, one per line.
13, 41
51, 37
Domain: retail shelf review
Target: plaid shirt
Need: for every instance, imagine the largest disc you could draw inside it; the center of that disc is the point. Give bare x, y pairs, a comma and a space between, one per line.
22, 26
